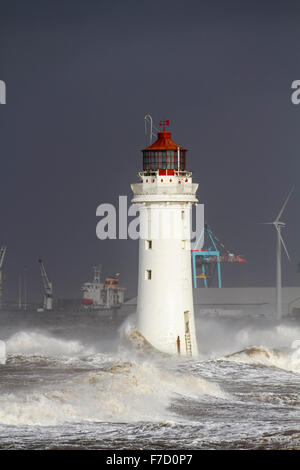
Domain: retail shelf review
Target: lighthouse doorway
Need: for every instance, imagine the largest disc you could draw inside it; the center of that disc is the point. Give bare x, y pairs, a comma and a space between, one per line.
188, 344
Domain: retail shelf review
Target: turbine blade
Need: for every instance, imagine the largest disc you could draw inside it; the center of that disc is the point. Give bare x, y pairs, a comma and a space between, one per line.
283, 244
284, 205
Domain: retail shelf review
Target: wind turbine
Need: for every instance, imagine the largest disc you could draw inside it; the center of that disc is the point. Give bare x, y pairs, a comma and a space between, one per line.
278, 224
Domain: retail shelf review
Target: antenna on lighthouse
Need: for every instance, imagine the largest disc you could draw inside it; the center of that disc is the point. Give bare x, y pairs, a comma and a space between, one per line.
149, 121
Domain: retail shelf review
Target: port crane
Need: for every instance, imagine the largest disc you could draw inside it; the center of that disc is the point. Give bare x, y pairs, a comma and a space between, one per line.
210, 257
48, 299
2, 255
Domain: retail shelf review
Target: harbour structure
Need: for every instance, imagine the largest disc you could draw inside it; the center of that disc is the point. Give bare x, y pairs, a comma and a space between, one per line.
164, 195
209, 258
241, 302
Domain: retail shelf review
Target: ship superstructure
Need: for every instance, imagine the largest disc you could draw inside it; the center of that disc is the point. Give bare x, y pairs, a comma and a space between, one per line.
107, 295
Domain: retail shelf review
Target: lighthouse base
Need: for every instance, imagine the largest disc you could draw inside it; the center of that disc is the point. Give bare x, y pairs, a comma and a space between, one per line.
175, 336
139, 342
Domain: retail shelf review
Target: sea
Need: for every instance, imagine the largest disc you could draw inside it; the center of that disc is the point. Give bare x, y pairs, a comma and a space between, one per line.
82, 381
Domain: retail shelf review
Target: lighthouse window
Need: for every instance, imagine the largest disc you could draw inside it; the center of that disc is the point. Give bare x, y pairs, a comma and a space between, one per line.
148, 244
182, 160
148, 274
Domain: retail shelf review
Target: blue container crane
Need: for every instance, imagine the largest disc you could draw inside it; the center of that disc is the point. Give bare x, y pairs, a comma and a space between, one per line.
211, 257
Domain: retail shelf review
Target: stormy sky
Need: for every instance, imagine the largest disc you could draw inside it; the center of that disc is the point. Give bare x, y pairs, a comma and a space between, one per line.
81, 76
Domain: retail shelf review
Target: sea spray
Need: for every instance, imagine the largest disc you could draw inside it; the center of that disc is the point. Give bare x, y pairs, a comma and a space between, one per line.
2, 352
37, 342
123, 391
286, 360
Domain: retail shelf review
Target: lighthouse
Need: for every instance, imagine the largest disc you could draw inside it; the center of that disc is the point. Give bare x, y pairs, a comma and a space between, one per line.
165, 195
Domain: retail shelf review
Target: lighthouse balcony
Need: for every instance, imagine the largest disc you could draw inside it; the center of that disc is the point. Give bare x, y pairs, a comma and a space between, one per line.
164, 189
165, 172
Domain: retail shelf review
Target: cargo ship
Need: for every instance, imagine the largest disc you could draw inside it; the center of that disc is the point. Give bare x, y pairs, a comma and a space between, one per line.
102, 296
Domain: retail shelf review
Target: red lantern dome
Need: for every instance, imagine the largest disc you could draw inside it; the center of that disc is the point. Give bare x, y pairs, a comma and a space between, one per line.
164, 154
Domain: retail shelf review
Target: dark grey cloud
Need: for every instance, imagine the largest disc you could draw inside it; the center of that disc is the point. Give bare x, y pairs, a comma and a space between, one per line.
81, 75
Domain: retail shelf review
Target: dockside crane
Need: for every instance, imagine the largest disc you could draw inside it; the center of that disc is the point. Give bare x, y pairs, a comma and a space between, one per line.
210, 257
2, 254
48, 294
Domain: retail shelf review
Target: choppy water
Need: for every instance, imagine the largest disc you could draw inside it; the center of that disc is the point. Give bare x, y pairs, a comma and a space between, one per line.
74, 381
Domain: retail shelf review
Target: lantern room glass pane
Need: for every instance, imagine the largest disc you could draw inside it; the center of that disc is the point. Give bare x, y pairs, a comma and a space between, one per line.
164, 159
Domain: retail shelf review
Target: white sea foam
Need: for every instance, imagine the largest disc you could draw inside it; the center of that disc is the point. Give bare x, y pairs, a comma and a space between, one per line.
120, 392
2, 352
36, 342
286, 360
278, 336
217, 338
279, 346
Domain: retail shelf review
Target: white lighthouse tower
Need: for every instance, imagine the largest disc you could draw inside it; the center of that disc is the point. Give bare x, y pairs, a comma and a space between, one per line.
165, 194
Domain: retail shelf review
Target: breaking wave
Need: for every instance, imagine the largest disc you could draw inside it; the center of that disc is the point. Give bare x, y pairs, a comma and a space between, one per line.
94, 387
123, 391
286, 360
139, 344
35, 342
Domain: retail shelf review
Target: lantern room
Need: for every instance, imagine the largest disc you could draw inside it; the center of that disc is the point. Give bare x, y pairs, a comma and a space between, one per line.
164, 154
